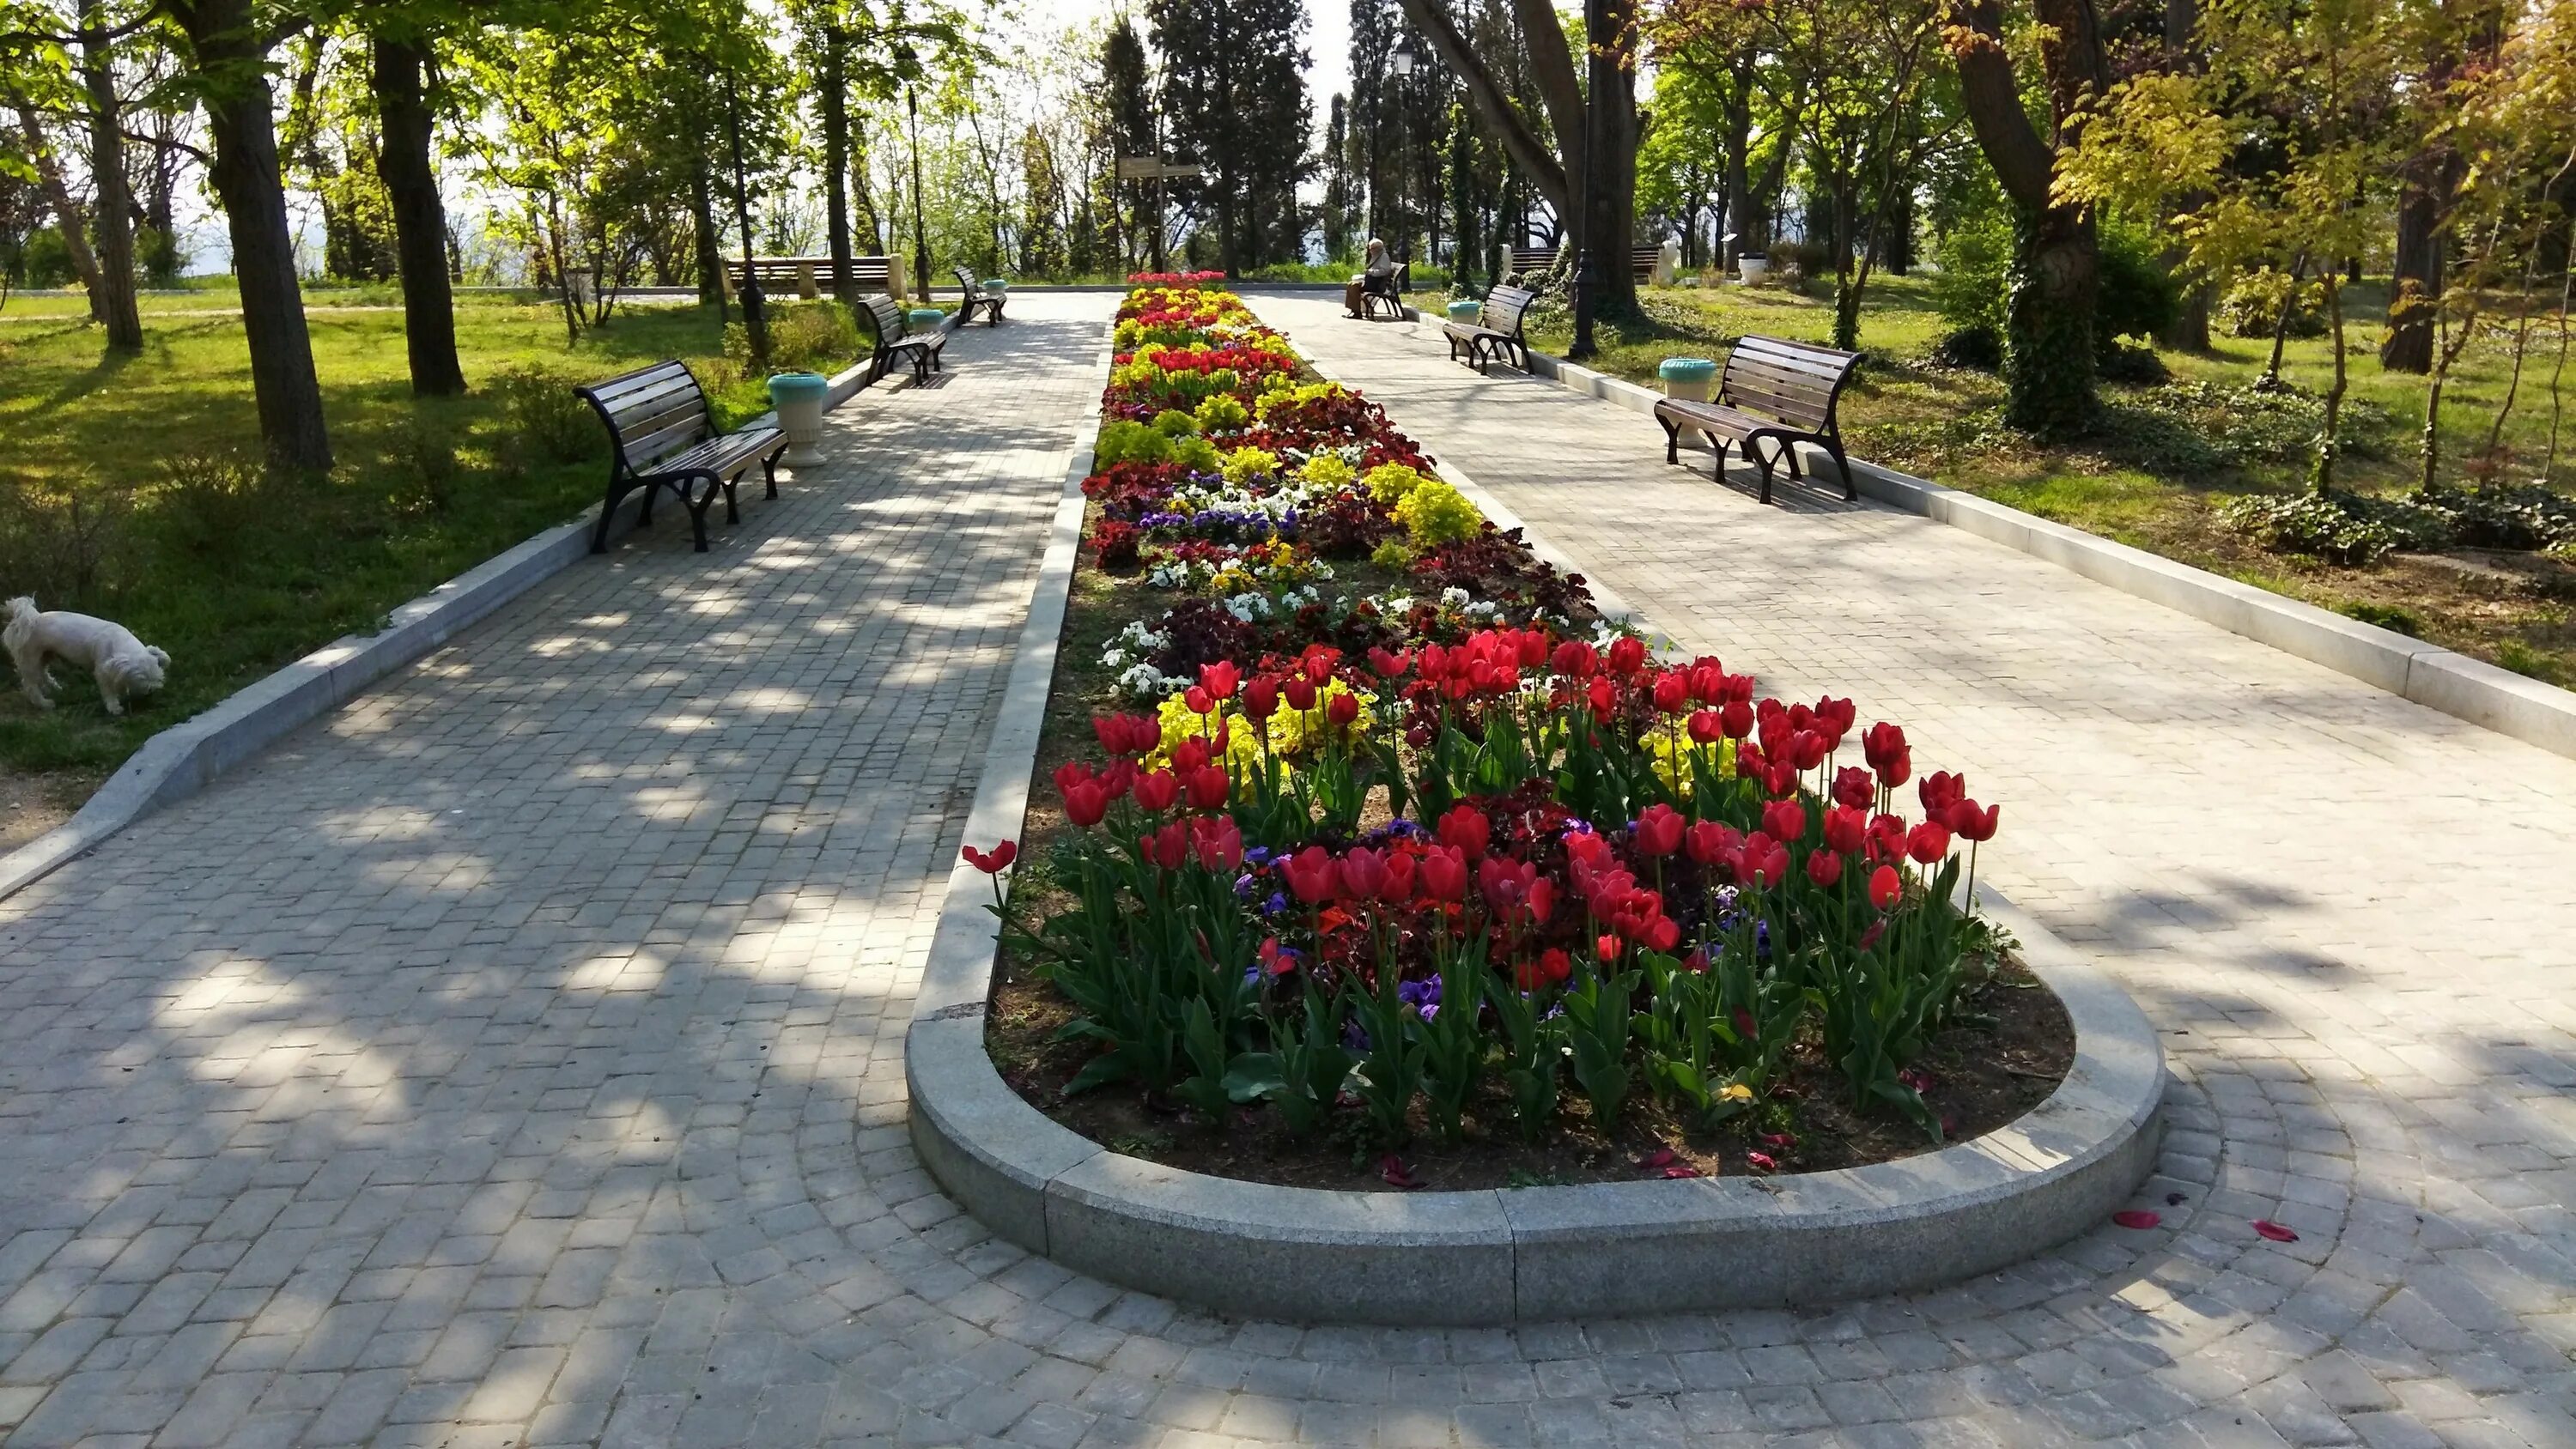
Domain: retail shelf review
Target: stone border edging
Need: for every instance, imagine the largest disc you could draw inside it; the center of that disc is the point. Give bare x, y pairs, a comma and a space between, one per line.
2441, 679
185, 758
1492, 1257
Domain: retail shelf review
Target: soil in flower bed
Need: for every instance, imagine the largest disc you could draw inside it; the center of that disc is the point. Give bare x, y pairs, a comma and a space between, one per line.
1981, 1078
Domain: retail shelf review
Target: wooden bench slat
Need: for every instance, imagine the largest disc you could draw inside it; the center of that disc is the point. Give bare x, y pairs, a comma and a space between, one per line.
658, 426
1771, 391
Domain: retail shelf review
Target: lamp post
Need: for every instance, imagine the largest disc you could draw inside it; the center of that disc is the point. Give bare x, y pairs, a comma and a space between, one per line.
1403, 60
920, 228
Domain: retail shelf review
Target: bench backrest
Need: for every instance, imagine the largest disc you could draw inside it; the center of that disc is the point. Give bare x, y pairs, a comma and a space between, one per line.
892, 325
652, 412
1795, 382
1526, 260
864, 271
1504, 307
966, 283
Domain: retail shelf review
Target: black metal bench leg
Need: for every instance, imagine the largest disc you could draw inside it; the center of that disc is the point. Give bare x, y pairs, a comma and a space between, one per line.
1851, 489
607, 511
698, 508
1765, 464
733, 508
769, 471
1672, 441
1789, 451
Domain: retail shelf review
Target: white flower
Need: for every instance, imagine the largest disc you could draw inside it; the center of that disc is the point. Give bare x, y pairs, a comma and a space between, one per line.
1455, 597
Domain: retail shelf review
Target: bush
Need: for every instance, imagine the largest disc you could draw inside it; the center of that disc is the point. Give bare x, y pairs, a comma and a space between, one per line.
2251, 306
212, 499
1433, 513
1125, 442
2336, 527
65, 548
1221, 414
422, 468
1980, 348
543, 419
1970, 289
2139, 296
803, 337
2527, 516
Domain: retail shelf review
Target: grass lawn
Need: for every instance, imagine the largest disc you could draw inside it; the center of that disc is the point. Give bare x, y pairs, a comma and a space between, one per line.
2167, 457
125, 489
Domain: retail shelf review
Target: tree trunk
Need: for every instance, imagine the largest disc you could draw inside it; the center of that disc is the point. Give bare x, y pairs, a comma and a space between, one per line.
2048, 348
1610, 115
67, 214
710, 242
2415, 289
224, 39
112, 215
834, 82
2329, 438
420, 219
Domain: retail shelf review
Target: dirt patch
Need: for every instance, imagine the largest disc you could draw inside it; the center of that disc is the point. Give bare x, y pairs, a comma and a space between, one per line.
2012, 1048
31, 804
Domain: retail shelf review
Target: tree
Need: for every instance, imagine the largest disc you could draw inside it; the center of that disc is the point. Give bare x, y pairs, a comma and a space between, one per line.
1234, 95
225, 44
1341, 184
1594, 117
398, 71
2048, 334
1127, 84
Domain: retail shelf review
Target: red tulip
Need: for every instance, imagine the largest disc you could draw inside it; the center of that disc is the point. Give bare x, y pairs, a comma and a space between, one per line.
1112, 732
1710, 842
1707, 727
1846, 830
1808, 748
1575, 659
1466, 829
1275, 959
1156, 792
1218, 842
1188, 755
1785, 820
1317, 662
1708, 680
1085, 802
1261, 699
1444, 873
1970, 824
1301, 693
1825, 868
1389, 665
1663, 935
1399, 877
1659, 830
1854, 787
1883, 744
1765, 861
1608, 947
1602, 696
1672, 691
1168, 847
1207, 786
1541, 903
1363, 873
1886, 887
1886, 837
1941, 790
1836, 716
1627, 654
1343, 708
1312, 875
994, 861
1198, 699
1737, 718
1928, 842
1220, 678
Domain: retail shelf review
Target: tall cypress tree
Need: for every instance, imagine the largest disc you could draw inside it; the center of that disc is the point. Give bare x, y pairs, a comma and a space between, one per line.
1234, 90
1128, 86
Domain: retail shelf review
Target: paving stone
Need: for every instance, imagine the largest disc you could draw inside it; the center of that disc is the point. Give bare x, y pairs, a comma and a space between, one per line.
517, 1053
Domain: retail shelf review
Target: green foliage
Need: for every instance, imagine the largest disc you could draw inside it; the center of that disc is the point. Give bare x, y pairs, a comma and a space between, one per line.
1434, 513
2386, 616
2251, 305
2139, 296
1220, 414
803, 337
544, 420
2337, 527
1173, 423
1976, 258
1126, 442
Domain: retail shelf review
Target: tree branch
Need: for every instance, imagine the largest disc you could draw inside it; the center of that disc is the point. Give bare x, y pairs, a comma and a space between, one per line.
2024, 163
1543, 169
1552, 66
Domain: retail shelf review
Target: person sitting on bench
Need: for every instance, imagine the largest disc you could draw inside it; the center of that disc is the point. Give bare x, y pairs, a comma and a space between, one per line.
1377, 276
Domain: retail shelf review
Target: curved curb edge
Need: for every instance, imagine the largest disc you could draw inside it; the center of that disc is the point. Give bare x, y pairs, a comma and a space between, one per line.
1493, 1257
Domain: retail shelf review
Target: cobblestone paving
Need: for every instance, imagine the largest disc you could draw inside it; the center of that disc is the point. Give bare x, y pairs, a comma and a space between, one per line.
513, 1058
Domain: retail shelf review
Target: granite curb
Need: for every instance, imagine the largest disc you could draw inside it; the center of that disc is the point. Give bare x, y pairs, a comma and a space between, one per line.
187, 757
2437, 678
1486, 1258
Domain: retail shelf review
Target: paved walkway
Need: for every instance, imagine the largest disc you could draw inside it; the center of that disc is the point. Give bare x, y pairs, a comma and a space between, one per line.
513, 1057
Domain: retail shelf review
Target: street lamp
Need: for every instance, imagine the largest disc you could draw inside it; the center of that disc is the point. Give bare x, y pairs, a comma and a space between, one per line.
920, 228
1587, 275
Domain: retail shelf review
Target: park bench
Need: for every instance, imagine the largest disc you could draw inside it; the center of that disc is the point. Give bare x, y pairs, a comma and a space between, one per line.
662, 436
1773, 391
897, 343
809, 276
977, 299
1386, 291
1495, 332
1530, 261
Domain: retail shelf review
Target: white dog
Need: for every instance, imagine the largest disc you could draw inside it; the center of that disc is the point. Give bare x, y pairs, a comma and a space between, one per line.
124, 666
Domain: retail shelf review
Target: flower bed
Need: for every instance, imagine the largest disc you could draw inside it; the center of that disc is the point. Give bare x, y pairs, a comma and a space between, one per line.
1371, 836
